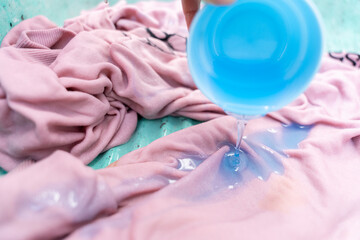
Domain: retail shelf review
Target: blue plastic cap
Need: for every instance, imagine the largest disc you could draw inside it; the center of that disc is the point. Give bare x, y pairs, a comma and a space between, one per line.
255, 56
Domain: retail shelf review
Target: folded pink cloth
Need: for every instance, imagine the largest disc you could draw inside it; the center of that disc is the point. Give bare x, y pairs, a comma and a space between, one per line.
146, 196
79, 88
84, 91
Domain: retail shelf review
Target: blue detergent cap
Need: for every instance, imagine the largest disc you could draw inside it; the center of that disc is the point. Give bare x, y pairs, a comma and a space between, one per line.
255, 56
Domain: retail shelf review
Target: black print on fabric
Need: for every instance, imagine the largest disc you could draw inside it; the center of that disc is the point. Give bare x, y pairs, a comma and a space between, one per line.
166, 39
352, 58
150, 43
125, 35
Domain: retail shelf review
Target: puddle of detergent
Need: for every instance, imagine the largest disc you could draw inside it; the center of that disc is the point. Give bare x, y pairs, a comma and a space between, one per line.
262, 157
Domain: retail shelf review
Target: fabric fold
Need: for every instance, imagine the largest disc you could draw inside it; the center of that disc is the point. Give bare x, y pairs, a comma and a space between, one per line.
80, 88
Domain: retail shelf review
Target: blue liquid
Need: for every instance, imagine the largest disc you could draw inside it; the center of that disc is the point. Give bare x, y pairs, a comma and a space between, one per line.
239, 166
255, 56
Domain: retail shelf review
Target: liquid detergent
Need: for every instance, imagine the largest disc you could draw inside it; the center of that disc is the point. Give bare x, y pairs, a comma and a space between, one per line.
259, 160
254, 56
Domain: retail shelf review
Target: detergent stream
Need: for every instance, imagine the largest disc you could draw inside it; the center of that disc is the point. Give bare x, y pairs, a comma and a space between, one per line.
241, 124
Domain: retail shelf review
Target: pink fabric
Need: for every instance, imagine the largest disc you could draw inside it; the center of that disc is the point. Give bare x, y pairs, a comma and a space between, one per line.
79, 88
315, 199
144, 195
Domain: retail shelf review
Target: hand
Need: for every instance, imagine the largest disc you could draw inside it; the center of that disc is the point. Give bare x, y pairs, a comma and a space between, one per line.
190, 7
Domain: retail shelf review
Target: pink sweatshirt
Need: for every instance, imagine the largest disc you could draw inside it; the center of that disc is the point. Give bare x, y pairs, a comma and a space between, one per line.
66, 94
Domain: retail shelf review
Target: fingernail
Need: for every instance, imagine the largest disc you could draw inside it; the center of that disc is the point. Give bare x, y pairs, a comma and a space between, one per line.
221, 2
